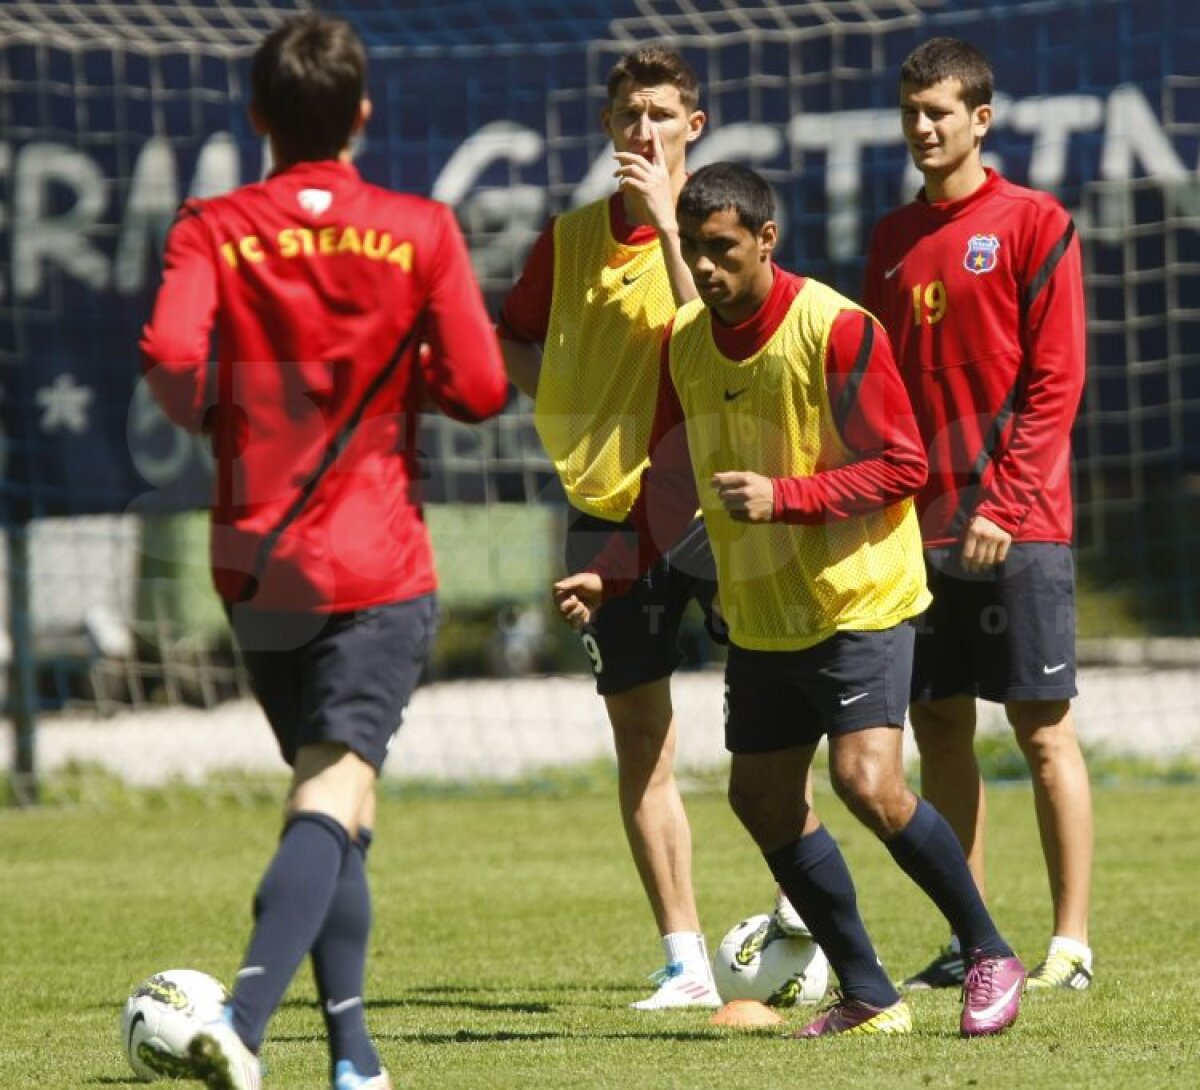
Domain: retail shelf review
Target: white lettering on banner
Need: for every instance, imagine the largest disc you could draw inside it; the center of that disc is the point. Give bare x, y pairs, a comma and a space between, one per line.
1132, 134
40, 237
154, 199
161, 452
1052, 121
598, 181
503, 219
842, 136
508, 218
749, 142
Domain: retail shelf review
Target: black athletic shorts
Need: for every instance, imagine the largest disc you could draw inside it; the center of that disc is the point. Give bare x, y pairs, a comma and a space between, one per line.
634, 638
338, 677
1005, 634
853, 680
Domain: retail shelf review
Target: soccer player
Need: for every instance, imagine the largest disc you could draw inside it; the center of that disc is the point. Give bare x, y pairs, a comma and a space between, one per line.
978, 283
580, 334
781, 411
323, 292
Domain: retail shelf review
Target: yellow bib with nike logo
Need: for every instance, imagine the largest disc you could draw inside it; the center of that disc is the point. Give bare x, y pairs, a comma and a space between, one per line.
600, 361
786, 587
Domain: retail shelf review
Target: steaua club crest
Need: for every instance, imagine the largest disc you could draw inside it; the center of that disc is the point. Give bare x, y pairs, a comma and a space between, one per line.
981, 253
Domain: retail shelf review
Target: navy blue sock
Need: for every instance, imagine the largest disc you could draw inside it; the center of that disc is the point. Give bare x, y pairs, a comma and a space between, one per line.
930, 854
339, 958
289, 909
815, 878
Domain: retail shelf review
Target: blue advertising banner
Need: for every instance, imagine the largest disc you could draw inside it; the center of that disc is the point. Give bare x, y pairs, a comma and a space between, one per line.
103, 136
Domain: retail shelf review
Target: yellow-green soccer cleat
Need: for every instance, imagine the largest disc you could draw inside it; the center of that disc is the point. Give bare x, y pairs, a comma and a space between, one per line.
1061, 969
851, 1017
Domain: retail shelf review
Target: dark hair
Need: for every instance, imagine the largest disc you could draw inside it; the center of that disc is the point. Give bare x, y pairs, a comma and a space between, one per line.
721, 186
307, 81
950, 58
652, 66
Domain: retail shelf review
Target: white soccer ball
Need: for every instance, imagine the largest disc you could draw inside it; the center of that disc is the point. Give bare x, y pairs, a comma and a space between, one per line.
161, 1016
758, 961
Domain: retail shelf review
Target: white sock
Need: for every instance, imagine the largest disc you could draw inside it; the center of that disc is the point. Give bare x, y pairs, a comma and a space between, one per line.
955, 945
687, 948
1072, 946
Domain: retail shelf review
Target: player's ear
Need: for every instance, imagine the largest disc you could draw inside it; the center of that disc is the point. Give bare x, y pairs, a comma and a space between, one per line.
696, 120
767, 238
363, 115
605, 121
982, 120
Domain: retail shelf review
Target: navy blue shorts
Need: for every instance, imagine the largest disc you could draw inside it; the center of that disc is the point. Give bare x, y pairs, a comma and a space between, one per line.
853, 680
1006, 634
634, 639
337, 677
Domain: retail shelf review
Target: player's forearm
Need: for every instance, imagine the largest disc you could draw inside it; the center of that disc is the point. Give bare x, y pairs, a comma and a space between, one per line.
180, 388
523, 363
176, 341
1037, 453
1036, 461
683, 288
175, 356
859, 488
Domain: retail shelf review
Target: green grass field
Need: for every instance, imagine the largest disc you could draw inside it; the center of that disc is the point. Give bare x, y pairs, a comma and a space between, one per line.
511, 935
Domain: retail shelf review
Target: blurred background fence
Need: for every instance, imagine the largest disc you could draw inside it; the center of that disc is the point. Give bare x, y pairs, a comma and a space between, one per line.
112, 111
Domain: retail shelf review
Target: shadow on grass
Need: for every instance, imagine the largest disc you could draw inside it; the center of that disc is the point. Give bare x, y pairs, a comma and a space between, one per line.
471, 1037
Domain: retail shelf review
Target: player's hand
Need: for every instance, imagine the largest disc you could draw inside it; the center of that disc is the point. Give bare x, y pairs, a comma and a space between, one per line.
984, 545
746, 496
649, 180
578, 597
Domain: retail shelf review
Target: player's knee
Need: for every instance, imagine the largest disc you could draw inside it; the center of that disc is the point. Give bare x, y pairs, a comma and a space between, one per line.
1044, 730
873, 794
941, 725
770, 822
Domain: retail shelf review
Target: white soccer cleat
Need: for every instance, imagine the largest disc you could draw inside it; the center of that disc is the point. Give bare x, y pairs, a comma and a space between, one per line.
222, 1061
787, 919
678, 988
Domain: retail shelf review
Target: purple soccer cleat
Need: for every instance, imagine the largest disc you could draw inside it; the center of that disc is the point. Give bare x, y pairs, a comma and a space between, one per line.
991, 994
855, 1018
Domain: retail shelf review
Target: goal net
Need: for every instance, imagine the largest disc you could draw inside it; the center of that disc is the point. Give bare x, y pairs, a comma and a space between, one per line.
112, 111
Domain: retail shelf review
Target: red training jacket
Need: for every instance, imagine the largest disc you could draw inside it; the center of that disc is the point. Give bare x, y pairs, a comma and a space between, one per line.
312, 281
983, 301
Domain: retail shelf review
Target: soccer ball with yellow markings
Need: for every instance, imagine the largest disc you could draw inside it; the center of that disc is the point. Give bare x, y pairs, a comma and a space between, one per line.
161, 1016
756, 960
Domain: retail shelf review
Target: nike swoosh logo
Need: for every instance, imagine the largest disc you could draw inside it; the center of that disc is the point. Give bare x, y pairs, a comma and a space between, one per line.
733, 395
889, 273
630, 277
1054, 669
344, 1005
134, 1022
853, 699
1000, 1004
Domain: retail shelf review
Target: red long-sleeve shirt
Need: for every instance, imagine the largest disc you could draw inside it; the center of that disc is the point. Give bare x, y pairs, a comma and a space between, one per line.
312, 281
871, 412
983, 301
